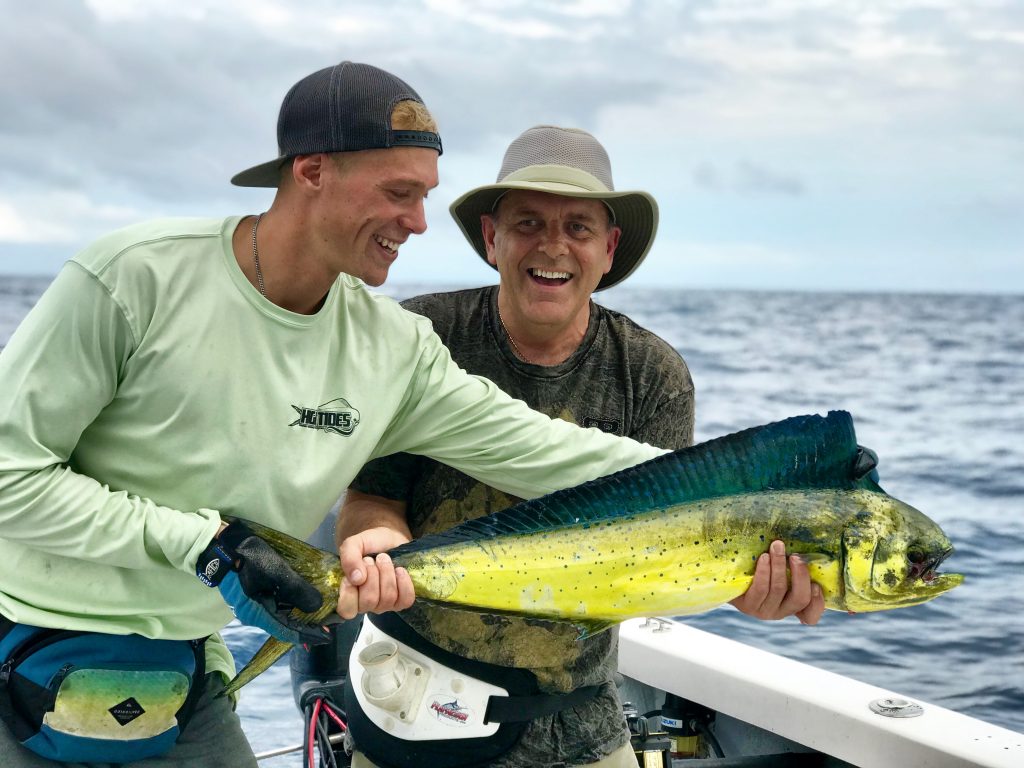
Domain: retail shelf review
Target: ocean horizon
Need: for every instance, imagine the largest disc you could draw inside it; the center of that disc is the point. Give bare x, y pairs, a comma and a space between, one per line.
935, 384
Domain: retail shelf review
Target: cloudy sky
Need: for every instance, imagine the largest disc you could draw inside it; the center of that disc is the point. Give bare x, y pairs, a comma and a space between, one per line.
826, 144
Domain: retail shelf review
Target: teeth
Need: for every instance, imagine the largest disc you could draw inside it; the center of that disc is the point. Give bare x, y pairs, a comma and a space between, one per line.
550, 275
391, 245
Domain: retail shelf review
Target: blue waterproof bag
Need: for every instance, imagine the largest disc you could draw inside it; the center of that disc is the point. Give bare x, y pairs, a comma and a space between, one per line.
89, 697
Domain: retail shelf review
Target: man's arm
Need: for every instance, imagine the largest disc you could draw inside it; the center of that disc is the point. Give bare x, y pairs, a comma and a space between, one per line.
468, 423
371, 525
59, 371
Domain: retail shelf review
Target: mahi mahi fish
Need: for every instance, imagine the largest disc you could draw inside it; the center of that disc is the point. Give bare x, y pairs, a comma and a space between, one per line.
676, 535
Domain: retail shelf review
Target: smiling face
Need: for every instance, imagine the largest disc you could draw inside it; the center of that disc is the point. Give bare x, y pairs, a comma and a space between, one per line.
551, 252
370, 202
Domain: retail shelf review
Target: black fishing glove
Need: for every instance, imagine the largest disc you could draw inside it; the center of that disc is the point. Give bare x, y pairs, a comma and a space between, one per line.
260, 586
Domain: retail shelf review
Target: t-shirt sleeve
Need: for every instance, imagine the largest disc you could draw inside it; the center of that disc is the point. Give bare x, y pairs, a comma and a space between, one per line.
671, 424
392, 477
59, 370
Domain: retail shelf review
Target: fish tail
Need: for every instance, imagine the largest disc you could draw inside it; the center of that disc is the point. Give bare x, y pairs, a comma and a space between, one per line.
269, 652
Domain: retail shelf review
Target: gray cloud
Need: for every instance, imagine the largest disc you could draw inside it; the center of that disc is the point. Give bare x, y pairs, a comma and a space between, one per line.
115, 111
747, 178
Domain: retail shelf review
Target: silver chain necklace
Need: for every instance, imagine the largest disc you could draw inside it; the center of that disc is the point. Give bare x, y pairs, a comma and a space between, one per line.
512, 341
256, 259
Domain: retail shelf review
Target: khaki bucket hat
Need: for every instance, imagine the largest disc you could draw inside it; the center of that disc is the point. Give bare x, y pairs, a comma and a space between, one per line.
570, 162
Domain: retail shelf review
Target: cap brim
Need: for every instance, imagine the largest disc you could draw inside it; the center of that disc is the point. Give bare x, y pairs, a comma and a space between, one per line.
636, 213
263, 175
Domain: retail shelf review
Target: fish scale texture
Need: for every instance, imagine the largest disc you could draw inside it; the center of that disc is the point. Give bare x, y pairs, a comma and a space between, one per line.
796, 453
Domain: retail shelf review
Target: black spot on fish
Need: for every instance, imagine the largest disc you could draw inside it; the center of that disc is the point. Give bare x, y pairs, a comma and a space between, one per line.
890, 579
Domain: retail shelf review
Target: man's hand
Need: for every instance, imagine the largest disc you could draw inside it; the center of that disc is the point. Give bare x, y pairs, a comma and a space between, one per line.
372, 584
771, 596
259, 585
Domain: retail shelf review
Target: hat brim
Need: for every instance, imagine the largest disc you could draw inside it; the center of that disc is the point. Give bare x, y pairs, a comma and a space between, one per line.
263, 175
635, 212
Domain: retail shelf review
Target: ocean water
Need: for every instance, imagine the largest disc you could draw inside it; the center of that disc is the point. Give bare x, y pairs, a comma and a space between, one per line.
935, 384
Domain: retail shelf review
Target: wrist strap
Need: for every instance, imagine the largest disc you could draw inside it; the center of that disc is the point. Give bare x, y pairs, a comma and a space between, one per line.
214, 564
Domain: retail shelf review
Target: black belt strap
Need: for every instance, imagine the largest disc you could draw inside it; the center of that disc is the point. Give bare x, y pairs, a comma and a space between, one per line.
515, 709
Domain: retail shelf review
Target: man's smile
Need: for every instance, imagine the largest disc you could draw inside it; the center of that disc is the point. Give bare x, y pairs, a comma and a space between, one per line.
388, 245
548, 276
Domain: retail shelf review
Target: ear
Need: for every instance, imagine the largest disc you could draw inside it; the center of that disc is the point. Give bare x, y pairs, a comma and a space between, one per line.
308, 170
611, 244
487, 228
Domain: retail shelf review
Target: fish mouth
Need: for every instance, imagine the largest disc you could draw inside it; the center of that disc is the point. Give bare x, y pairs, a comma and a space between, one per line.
926, 569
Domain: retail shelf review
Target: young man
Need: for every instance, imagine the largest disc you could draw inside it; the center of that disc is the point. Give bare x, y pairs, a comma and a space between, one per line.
556, 231
180, 371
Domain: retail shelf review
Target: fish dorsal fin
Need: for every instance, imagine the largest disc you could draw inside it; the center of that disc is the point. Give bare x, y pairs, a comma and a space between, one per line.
799, 452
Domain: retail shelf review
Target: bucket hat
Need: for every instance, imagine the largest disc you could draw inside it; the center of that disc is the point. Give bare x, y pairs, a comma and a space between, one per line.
569, 162
344, 108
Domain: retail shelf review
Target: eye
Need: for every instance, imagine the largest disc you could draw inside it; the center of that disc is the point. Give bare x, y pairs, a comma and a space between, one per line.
916, 555
527, 225
399, 194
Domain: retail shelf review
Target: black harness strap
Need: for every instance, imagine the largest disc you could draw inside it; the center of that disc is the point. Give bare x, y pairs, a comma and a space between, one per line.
515, 709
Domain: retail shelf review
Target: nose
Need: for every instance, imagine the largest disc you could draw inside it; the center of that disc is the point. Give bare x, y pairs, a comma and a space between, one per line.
553, 243
415, 220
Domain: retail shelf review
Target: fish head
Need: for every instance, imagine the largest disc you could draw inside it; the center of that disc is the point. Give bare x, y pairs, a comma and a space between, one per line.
891, 556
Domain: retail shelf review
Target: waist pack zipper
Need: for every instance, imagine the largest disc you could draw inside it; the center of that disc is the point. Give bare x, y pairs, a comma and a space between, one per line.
30, 645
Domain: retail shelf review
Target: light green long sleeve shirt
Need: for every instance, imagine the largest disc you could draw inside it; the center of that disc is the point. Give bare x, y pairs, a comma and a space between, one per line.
153, 388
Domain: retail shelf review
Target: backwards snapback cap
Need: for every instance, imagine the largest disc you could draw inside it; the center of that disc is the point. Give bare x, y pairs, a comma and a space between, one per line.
344, 108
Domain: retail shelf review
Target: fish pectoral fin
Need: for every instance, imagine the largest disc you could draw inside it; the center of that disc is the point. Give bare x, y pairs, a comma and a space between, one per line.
590, 627
815, 558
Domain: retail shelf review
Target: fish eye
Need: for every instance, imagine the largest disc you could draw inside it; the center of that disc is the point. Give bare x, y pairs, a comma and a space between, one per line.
915, 555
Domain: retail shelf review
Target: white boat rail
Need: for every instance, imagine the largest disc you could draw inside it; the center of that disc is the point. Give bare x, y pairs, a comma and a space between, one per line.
822, 710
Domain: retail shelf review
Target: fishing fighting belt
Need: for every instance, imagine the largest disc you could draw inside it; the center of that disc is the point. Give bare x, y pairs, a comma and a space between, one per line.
437, 707
90, 697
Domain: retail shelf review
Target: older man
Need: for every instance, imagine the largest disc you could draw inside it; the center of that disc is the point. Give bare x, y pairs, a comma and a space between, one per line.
556, 231
182, 371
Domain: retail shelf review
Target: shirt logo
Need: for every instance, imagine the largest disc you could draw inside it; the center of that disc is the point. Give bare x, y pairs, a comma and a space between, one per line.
336, 416
605, 425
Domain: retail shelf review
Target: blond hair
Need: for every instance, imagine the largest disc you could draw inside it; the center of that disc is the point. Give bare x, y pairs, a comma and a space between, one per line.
412, 116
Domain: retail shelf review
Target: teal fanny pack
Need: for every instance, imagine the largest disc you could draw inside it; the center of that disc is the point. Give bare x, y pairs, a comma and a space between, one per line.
90, 697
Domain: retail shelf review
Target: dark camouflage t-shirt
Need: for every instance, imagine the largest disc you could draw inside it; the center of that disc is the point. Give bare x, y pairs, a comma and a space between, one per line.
622, 379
